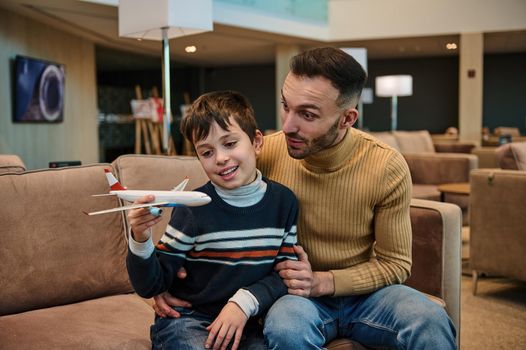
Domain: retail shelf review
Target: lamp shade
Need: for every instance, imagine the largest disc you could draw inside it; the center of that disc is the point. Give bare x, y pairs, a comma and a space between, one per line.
145, 19
394, 85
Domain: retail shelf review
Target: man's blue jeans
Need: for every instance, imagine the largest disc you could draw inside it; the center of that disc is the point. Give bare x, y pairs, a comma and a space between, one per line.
394, 317
189, 332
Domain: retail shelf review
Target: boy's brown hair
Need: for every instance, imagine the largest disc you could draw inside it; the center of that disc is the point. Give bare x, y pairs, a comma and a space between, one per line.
219, 107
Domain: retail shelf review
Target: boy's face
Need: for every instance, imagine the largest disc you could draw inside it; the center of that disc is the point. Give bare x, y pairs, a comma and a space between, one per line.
228, 157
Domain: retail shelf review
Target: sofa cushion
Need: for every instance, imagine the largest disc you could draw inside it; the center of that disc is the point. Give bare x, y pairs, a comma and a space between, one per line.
414, 141
152, 172
10, 163
512, 156
51, 252
114, 322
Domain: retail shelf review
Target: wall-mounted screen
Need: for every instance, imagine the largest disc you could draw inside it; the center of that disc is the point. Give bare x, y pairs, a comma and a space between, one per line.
39, 91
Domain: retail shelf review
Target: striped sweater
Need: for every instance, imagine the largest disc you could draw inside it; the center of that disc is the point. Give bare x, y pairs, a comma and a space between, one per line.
354, 209
223, 248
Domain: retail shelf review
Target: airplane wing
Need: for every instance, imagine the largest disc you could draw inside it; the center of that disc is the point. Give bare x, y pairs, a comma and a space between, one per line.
128, 207
182, 185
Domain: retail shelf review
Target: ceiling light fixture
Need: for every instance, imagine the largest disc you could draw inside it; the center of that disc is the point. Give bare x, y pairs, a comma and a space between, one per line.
451, 46
190, 49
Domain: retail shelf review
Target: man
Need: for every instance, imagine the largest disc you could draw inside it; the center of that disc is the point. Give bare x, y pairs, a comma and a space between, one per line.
354, 194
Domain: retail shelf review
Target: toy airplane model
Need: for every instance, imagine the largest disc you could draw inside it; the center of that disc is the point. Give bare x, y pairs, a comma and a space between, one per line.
177, 196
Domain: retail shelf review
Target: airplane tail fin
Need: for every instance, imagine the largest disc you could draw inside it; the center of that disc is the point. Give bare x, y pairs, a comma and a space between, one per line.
114, 184
182, 185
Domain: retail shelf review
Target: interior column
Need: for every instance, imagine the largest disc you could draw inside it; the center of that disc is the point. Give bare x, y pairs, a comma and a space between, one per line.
471, 86
283, 55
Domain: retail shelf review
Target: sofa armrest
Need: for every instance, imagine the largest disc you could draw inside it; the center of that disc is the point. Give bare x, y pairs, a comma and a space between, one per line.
440, 168
454, 147
437, 253
11, 163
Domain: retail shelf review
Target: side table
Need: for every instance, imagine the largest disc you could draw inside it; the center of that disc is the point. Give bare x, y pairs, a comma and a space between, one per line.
454, 188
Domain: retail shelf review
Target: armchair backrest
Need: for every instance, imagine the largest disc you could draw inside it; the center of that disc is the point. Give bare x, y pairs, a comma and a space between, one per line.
414, 141
407, 141
512, 156
388, 138
503, 130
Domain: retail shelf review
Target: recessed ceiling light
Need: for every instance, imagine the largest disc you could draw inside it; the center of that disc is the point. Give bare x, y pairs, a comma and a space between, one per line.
190, 49
451, 46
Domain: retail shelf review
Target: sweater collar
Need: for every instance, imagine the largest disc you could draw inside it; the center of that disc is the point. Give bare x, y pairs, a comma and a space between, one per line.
332, 158
245, 195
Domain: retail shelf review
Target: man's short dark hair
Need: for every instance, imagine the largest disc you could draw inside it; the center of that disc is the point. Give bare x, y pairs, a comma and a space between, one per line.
341, 69
219, 107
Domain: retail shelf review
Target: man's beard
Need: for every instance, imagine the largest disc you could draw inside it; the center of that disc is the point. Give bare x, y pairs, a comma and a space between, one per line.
315, 145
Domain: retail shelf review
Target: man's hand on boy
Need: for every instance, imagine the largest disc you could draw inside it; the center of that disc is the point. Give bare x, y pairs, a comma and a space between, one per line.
163, 305
301, 280
228, 325
141, 220
163, 302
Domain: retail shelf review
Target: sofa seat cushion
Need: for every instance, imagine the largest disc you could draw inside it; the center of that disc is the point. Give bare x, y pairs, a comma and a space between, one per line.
429, 192
114, 322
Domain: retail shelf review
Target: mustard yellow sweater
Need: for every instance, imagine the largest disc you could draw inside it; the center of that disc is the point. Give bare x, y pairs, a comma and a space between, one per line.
354, 209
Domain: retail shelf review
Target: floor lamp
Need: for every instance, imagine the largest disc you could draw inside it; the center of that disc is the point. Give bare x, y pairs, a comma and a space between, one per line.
394, 86
164, 20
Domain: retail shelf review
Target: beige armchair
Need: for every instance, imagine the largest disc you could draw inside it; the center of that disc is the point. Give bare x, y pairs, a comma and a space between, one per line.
497, 207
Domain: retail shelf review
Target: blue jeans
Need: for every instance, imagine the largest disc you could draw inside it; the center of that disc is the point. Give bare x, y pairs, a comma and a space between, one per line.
189, 332
394, 317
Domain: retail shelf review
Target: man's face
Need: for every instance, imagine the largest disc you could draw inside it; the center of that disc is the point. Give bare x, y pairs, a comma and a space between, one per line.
311, 119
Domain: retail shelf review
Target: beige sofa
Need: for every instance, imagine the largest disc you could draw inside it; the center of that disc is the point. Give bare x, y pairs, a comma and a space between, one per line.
63, 275
497, 207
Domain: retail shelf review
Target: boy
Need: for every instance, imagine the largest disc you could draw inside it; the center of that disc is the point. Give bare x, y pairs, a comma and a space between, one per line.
228, 247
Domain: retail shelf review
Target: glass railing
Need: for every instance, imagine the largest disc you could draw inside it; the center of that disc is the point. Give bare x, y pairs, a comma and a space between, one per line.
311, 11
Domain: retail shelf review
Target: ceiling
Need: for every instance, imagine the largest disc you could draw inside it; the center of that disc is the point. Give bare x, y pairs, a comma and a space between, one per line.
226, 45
